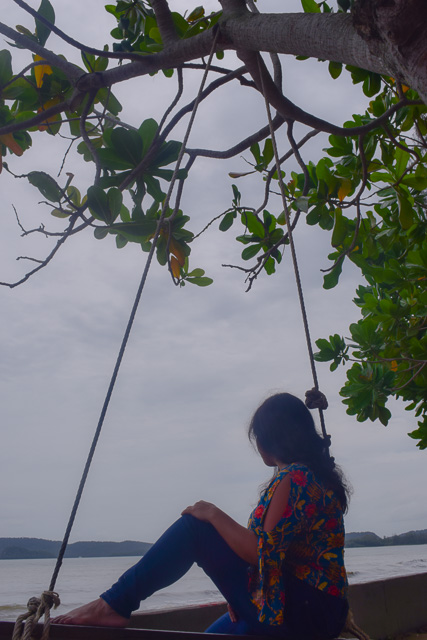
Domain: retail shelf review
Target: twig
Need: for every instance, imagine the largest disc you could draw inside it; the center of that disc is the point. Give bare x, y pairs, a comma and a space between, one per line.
86, 138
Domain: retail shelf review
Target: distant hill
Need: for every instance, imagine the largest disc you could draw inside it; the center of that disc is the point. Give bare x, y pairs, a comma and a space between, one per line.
21, 548
16, 548
363, 539
369, 539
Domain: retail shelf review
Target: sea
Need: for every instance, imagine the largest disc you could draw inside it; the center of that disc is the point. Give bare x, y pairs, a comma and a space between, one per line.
83, 579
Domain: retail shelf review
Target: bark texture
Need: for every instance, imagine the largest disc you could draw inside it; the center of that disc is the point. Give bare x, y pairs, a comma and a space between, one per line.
315, 35
398, 29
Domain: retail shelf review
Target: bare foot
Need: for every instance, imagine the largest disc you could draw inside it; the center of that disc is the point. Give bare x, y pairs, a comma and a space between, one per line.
94, 614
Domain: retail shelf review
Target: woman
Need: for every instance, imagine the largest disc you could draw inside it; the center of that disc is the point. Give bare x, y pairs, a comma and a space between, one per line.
284, 574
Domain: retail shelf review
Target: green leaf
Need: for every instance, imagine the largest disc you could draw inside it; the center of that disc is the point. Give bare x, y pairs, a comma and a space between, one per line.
270, 266
100, 233
60, 213
402, 159
419, 183
335, 69
43, 31
88, 61
310, 6
135, 231
341, 146
109, 101
330, 280
127, 144
256, 152
340, 228
302, 203
74, 195
98, 204
251, 251
46, 185
372, 84
406, 213
109, 159
121, 241
253, 224
5, 67
154, 188
147, 132
125, 214
200, 281
168, 153
101, 63
268, 152
227, 221
115, 202
196, 273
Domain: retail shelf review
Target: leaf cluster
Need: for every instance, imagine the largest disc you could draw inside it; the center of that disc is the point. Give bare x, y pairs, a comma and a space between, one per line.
368, 191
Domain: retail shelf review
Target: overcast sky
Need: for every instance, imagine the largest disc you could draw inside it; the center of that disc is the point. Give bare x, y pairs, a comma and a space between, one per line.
199, 361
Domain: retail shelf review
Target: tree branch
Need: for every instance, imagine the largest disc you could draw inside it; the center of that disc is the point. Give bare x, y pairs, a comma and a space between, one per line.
43, 263
71, 41
164, 21
72, 71
289, 111
240, 146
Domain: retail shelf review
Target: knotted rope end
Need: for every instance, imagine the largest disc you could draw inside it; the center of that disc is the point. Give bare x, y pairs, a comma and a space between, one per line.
36, 607
315, 399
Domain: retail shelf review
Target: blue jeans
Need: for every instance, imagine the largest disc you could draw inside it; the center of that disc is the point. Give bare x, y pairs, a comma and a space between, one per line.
191, 540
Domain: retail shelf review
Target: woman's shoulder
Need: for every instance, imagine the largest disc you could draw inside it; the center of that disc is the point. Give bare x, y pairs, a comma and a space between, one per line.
296, 470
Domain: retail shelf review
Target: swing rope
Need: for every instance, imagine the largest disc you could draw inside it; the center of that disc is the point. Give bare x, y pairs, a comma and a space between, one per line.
315, 399
37, 607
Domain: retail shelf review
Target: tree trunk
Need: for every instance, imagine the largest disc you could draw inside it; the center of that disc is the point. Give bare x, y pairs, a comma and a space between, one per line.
399, 29
390, 39
315, 35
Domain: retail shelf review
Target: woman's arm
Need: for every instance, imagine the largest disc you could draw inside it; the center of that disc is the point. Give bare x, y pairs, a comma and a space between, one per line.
241, 540
278, 503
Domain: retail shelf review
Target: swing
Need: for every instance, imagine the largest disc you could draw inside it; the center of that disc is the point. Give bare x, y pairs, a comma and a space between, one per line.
27, 626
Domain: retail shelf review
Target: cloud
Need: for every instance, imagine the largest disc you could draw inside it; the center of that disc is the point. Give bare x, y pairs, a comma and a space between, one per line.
198, 361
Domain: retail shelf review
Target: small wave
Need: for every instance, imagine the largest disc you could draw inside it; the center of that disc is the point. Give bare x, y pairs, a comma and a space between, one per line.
11, 611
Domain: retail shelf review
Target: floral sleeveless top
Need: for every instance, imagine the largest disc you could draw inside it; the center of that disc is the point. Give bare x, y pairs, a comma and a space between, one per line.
308, 542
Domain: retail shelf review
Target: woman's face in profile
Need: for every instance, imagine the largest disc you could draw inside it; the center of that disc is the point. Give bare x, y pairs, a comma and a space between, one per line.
267, 458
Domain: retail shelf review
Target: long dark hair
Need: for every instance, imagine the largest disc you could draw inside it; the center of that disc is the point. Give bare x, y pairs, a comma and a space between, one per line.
283, 428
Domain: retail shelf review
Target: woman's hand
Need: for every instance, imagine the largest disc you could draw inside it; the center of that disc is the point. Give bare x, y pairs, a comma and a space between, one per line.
202, 510
241, 540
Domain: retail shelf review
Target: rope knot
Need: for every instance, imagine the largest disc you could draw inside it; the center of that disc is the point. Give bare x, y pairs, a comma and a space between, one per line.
315, 399
50, 599
33, 604
36, 608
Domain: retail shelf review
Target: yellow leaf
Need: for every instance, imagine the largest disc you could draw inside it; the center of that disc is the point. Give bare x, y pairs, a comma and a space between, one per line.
49, 103
405, 87
176, 269
9, 141
344, 189
196, 14
393, 365
40, 70
177, 251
